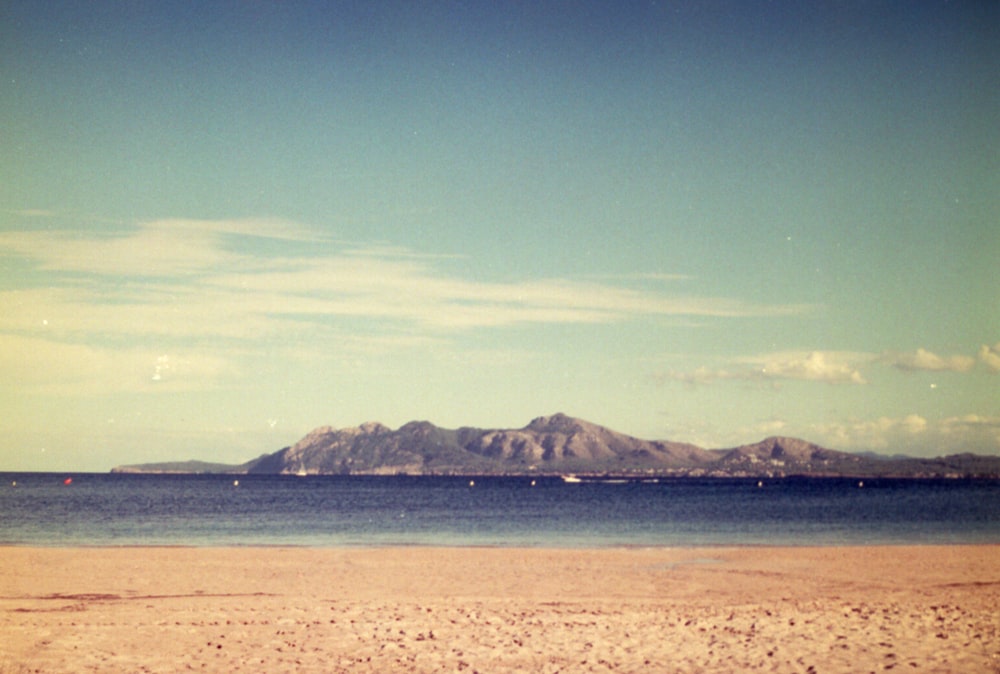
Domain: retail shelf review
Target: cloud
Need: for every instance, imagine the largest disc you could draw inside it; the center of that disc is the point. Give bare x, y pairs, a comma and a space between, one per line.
34, 213
651, 276
702, 375
874, 433
990, 356
41, 365
156, 249
172, 276
207, 293
971, 432
827, 366
769, 427
924, 360
833, 367
913, 434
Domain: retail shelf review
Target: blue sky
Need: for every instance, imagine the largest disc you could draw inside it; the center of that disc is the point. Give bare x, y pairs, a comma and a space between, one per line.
223, 224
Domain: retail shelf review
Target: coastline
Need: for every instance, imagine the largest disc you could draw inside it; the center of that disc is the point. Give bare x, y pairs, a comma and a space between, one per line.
496, 609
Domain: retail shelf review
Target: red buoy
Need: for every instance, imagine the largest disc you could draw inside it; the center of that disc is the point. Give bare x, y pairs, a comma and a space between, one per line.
68, 481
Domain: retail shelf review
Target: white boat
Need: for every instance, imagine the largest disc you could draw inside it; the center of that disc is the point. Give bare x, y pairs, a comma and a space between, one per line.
571, 479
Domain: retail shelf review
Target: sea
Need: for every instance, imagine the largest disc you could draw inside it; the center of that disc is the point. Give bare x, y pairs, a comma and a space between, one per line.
47, 509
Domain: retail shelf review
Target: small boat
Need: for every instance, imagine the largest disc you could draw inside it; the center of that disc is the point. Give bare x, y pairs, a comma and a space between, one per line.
571, 479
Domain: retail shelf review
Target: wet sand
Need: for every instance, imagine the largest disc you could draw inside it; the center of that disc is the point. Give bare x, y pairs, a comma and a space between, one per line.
865, 609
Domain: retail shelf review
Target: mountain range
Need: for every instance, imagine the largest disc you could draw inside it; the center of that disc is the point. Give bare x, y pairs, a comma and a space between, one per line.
561, 444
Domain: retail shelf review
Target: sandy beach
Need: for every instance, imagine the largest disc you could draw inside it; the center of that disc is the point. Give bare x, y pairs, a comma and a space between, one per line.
866, 609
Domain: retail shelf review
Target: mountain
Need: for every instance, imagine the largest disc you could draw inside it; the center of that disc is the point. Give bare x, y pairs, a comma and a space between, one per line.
560, 444
562, 441
179, 467
417, 447
548, 444
791, 455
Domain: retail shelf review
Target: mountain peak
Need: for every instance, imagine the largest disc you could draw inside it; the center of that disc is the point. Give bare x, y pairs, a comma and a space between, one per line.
558, 423
374, 428
786, 449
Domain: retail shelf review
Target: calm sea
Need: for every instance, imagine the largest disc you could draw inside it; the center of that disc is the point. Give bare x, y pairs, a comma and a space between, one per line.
105, 509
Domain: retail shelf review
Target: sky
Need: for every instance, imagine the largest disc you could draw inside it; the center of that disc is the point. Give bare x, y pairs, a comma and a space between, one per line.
223, 224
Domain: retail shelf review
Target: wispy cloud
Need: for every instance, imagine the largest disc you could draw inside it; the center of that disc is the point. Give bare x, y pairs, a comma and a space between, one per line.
221, 287
990, 356
46, 366
701, 375
158, 249
185, 268
833, 367
651, 276
770, 427
34, 213
872, 433
922, 359
913, 433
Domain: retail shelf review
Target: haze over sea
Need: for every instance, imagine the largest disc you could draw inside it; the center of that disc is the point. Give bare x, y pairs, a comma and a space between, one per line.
331, 511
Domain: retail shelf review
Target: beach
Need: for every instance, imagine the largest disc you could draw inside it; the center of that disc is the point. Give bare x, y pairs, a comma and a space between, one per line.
431, 609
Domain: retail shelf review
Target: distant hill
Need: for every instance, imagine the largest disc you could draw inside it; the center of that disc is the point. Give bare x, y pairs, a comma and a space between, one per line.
561, 444
181, 467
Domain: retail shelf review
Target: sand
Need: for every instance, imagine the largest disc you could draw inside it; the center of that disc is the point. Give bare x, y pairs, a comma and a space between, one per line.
919, 609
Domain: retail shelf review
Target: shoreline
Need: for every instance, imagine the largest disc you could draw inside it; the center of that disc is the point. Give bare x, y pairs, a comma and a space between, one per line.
500, 609
588, 547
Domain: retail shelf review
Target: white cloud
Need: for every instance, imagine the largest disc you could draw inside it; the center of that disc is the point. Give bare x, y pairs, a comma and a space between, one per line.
34, 213
913, 434
219, 289
156, 249
41, 365
652, 276
878, 433
975, 424
701, 375
834, 367
769, 427
151, 251
827, 366
176, 277
990, 356
922, 359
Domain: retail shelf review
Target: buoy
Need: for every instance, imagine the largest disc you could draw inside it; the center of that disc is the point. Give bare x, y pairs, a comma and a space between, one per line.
760, 484
532, 483
68, 481
472, 483
236, 483
861, 484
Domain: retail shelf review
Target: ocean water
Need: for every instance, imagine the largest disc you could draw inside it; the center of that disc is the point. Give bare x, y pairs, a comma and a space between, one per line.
330, 511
